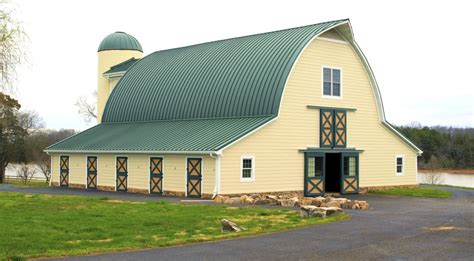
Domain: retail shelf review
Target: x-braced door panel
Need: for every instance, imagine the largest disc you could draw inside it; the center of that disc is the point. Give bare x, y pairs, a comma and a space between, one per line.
194, 177
156, 175
326, 128
314, 174
91, 172
122, 173
340, 121
349, 173
64, 171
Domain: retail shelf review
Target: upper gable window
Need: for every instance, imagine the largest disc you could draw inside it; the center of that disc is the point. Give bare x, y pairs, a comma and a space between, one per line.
331, 82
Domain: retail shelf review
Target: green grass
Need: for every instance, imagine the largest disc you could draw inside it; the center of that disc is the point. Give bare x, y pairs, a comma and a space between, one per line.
413, 192
34, 225
30, 184
449, 186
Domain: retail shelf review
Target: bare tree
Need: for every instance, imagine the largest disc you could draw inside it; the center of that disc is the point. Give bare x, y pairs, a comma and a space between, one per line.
87, 107
25, 173
30, 121
45, 168
432, 177
12, 46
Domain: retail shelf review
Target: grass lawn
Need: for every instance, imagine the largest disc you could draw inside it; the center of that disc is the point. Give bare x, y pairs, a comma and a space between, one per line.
413, 192
34, 225
30, 184
448, 186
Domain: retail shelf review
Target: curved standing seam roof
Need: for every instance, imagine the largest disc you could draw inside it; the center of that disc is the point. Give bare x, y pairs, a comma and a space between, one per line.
237, 77
120, 41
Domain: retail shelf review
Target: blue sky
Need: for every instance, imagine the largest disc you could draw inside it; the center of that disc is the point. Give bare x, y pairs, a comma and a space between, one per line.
420, 51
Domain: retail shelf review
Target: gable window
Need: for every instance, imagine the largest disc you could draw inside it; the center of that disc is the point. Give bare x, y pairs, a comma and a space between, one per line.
247, 168
331, 82
399, 165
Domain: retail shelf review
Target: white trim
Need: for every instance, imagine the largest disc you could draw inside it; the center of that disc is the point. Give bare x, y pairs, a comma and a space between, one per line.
113, 75
162, 172
186, 173
119, 152
418, 151
97, 170
332, 40
50, 169
322, 82
252, 173
403, 165
115, 168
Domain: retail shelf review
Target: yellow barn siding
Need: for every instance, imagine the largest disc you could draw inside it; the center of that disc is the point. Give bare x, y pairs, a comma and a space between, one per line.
174, 171
279, 166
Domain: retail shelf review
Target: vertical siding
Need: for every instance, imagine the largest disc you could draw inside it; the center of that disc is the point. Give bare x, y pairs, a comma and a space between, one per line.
174, 171
279, 164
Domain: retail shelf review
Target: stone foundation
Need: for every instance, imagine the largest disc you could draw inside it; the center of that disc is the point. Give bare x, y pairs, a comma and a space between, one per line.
77, 186
296, 193
364, 190
138, 191
105, 188
54, 184
173, 193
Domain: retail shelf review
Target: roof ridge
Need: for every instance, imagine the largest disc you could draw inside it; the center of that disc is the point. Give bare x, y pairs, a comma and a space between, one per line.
249, 35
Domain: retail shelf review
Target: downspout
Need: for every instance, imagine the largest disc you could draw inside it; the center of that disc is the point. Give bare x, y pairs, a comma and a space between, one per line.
217, 180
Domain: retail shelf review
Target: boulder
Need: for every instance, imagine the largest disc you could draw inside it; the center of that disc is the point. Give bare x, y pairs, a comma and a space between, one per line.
364, 205
288, 202
332, 203
220, 199
244, 199
228, 225
331, 210
259, 201
312, 211
232, 200
350, 205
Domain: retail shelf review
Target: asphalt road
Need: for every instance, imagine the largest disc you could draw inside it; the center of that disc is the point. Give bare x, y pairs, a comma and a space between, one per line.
394, 228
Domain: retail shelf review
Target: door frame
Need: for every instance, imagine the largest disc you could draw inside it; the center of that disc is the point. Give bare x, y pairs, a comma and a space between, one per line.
323, 178
162, 173
115, 164
186, 174
68, 169
97, 171
350, 154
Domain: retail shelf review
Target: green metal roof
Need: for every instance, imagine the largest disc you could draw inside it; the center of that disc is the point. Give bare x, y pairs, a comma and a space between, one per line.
199, 135
122, 67
237, 77
120, 41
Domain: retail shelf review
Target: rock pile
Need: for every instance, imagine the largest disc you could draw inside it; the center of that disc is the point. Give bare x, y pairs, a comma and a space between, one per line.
293, 201
322, 212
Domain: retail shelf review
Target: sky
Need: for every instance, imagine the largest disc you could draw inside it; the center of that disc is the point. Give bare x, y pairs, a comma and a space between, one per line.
421, 52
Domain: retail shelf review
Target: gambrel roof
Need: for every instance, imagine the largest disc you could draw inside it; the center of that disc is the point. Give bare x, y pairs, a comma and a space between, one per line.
204, 97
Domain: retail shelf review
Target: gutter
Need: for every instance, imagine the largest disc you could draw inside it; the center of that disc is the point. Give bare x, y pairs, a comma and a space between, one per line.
127, 152
217, 180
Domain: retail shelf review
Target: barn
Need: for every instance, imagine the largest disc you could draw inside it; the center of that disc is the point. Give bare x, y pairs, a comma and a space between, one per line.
295, 110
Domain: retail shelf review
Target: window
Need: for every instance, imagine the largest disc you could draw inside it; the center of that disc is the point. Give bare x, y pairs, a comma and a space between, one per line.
247, 168
399, 165
349, 166
315, 167
331, 82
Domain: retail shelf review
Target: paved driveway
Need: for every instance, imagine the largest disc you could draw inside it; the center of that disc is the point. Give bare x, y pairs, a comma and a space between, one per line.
395, 228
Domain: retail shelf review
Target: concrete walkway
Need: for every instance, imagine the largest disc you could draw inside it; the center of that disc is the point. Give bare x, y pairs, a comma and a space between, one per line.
395, 228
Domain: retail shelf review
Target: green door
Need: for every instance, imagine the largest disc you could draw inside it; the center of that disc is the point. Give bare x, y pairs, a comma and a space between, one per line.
349, 173
122, 174
64, 171
156, 175
314, 174
91, 172
194, 177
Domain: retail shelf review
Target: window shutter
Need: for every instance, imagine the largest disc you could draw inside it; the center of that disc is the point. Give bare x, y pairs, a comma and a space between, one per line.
326, 137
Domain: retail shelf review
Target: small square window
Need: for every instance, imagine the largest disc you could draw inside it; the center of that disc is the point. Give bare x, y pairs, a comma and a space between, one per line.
331, 82
399, 165
247, 169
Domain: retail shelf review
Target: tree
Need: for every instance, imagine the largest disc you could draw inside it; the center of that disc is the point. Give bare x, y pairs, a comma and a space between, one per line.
12, 46
87, 108
12, 135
